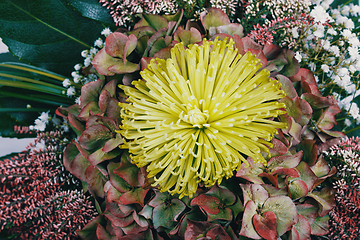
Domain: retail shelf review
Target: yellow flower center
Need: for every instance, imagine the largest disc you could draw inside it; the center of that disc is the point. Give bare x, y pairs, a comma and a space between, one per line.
196, 116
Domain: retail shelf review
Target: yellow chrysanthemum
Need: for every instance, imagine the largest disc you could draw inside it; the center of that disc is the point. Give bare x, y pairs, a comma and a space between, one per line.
197, 115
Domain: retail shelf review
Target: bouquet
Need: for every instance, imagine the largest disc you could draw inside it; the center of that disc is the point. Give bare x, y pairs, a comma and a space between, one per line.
181, 119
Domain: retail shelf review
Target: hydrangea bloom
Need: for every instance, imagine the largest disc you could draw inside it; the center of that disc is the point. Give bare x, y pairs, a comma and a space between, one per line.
199, 114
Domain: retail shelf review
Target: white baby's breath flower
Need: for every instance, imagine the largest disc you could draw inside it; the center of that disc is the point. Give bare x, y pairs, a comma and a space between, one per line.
335, 50
295, 32
39, 125
347, 33
326, 44
93, 51
355, 10
320, 15
44, 117
319, 31
354, 111
84, 53
66, 82
75, 74
343, 71
70, 91
99, 43
77, 67
347, 122
298, 56
106, 32
351, 88
87, 61
352, 69
316, 78
77, 79
312, 66
354, 41
345, 10
325, 68
331, 31
77, 100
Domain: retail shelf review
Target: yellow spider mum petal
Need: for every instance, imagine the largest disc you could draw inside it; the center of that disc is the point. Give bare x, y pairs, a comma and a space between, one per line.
197, 115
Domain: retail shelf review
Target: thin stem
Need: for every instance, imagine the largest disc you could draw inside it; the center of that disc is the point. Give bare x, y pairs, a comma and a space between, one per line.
54, 100
31, 69
30, 86
23, 110
352, 130
31, 81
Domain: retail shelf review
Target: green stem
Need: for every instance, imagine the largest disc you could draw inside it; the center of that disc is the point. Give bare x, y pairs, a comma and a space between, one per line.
31, 81
32, 69
23, 110
352, 130
57, 101
30, 86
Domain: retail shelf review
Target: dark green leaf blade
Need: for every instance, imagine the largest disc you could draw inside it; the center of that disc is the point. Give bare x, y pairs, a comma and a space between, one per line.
48, 34
92, 9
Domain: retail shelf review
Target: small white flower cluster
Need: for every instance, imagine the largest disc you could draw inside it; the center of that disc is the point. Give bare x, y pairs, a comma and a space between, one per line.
77, 76
41, 121
330, 48
45, 118
122, 12
277, 8
225, 5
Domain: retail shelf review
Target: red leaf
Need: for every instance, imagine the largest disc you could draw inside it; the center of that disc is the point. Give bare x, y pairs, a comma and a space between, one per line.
95, 180
249, 43
265, 225
279, 148
290, 161
113, 195
213, 17
76, 122
195, 228
272, 179
309, 85
130, 46
137, 195
115, 44
102, 234
128, 171
91, 108
78, 167
271, 51
103, 100
95, 136
303, 228
119, 222
90, 92
218, 233
247, 228
298, 189
208, 203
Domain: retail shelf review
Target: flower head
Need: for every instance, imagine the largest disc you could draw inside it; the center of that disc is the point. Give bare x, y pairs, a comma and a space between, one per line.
197, 115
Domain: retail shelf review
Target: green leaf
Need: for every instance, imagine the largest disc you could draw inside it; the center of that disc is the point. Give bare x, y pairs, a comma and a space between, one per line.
320, 226
89, 231
95, 180
92, 9
48, 34
285, 211
167, 212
